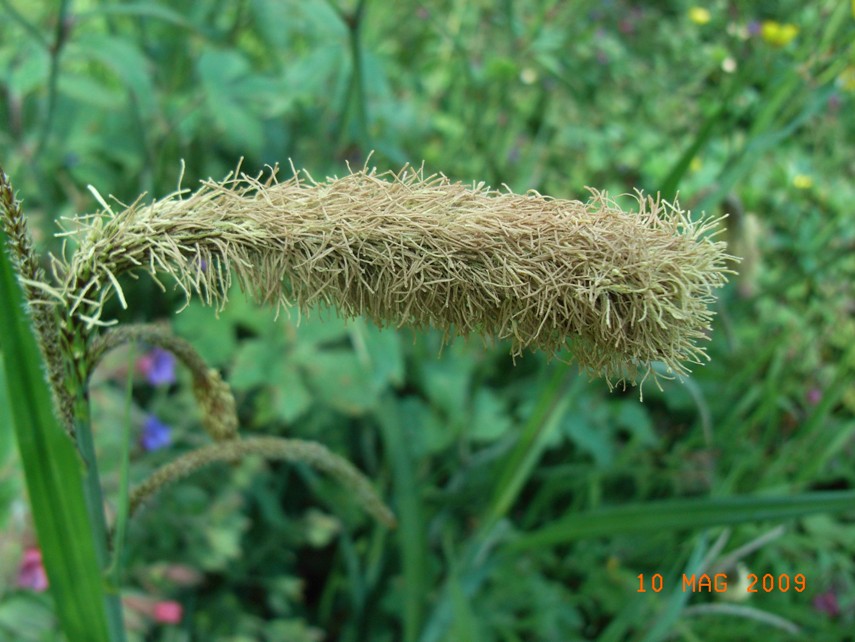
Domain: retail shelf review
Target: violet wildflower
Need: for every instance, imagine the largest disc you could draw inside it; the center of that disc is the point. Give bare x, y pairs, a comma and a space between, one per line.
157, 366
31, 574
827, 603
813, 396
155, 434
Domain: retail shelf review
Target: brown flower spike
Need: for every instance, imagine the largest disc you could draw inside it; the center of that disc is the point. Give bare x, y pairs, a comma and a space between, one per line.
625, 288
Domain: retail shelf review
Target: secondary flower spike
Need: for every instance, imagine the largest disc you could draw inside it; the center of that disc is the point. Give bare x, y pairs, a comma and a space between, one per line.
619, 289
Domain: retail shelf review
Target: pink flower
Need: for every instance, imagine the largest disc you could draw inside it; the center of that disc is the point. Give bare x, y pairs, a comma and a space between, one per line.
31, 574
162, 611
167, 612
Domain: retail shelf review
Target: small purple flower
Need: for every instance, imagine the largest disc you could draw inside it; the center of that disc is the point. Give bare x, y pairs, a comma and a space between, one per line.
813, 396
827, 603
754, 28
158, 366
155, 434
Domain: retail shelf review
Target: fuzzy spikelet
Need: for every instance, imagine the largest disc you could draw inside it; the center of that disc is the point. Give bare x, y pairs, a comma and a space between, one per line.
626, 288
217, 402
44, 320
219, 416
272, 449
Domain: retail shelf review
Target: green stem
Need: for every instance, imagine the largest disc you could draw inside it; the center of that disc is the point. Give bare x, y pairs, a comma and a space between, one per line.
94, 498
123, 505
92, 487
53, 79
95, 508
355, 96
358, 78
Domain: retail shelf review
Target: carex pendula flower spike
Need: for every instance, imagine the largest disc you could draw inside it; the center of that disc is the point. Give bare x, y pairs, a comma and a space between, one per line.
43, 316
213, 395
620, 289
271, 449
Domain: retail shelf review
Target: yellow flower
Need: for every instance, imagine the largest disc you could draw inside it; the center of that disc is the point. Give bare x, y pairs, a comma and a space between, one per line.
700, 16
802, 181
847, 77
777, 34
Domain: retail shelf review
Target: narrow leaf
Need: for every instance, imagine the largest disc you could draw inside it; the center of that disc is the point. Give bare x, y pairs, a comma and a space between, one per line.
53, 473
684, 514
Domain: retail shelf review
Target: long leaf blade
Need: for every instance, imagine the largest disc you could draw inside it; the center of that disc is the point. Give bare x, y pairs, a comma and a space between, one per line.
683, 514
53, 473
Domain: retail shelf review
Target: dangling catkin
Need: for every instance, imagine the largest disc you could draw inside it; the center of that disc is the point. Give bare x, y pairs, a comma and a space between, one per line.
619, 289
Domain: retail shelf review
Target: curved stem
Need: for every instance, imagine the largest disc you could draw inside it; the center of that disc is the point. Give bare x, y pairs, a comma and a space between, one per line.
53, 80
214, 395
273, 448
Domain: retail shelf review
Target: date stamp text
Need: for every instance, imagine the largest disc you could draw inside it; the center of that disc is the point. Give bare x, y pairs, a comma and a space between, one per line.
718, 583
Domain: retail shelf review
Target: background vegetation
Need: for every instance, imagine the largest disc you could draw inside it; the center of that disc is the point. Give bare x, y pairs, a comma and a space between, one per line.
530, 499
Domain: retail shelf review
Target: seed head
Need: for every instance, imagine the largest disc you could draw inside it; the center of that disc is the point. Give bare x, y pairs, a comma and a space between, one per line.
618, 289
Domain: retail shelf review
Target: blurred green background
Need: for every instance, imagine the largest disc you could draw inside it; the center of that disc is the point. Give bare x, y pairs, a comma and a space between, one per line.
530, 498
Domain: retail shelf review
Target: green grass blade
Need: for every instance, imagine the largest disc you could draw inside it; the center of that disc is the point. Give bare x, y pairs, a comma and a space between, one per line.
670, 184
411, 525
473, 567
684, 514
764, 140
520, 463
669, 615
53, 474
464, 623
